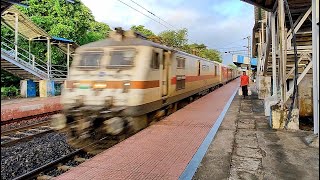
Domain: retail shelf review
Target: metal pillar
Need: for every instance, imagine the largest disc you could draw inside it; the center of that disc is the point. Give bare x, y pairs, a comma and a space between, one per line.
16, 30
274, 55
68, 58
283, 51
48, 58
29, 49
315, 60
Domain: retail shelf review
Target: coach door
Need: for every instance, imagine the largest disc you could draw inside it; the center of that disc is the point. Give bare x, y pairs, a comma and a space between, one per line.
165, 73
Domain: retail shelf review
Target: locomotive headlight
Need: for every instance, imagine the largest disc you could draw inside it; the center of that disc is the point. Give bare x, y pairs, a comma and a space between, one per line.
100, 85
75, 85
126, 86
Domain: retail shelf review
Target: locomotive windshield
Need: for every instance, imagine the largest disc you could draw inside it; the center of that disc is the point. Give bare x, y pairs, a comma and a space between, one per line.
122, 58
90, 60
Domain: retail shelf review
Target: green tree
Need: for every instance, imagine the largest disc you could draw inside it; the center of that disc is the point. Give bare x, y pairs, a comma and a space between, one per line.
60, 18
97, 31
141, 29
211, 54
177, 39
72, 21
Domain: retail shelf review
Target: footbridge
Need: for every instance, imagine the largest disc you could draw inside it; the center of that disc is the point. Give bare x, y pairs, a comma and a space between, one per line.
21, 62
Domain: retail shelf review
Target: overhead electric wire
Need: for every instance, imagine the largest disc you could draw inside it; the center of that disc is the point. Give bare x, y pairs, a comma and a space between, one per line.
230, 43
149, 16
152, 13
143, 13
167, 22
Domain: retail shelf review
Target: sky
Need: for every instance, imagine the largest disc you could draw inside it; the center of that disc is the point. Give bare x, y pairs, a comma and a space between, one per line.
219, 24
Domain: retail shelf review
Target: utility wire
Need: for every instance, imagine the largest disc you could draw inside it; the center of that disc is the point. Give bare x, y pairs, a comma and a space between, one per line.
143, 13
152, 13
149, 16
165, 21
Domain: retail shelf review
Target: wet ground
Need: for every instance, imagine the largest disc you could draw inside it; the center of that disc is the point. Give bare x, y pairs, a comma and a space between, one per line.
245, 147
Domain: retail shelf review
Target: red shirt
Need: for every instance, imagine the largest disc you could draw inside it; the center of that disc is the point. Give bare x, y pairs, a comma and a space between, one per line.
244, 80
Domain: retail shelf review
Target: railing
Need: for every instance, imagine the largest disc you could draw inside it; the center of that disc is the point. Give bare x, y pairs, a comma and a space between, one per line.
29, 61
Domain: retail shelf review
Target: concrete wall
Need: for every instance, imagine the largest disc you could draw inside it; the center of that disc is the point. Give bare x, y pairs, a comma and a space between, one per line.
305, 96
264, 86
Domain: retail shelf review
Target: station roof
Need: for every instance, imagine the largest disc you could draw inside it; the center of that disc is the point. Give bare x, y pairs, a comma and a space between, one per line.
5, 4
267, 5
31, 31
26, 27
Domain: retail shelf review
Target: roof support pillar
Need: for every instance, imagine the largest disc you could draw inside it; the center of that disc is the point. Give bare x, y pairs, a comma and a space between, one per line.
283, 49
16, 30
68, 58
274, 55
29, 49
315, 60
48, 58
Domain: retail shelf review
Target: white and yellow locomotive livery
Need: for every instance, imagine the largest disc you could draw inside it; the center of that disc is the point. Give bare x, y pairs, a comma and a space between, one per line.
124, 82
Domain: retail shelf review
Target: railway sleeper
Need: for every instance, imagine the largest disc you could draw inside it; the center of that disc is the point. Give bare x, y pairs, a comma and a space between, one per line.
64, 167
44, 177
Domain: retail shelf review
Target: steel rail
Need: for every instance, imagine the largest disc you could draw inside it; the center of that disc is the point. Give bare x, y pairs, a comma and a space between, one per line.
51, 165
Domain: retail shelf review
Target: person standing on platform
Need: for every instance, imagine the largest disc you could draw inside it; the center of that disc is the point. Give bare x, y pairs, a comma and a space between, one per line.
244, 83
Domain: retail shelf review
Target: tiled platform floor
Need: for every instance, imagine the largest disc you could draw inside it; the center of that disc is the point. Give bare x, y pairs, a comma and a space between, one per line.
18, 108
161, 151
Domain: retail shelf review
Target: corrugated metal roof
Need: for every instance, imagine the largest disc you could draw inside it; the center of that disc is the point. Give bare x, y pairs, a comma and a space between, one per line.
5, 4
26, 27
59, 39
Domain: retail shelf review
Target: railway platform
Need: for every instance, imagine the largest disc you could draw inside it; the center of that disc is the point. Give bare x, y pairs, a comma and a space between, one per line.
245, 147
25, 107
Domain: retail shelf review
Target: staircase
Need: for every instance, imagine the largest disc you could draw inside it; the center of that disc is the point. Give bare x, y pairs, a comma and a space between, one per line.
26, 66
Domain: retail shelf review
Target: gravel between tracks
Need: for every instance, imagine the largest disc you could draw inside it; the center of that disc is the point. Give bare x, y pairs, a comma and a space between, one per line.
24, 157
24, 123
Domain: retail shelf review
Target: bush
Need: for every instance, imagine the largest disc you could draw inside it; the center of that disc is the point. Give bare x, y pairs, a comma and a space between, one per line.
10, 91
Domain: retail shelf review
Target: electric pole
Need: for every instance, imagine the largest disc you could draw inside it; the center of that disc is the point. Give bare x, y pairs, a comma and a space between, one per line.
249, 53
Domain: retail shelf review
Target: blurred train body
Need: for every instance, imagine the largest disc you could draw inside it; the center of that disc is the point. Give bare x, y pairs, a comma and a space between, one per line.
124, 82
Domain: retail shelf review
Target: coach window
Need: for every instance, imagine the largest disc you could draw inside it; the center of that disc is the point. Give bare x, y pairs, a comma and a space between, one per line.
155, 62
90, 60
181, 82
122, 58
199, 68
215, 70
181, 63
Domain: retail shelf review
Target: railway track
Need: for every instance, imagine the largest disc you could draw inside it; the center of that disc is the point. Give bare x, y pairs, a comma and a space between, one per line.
18, 120
64, 163
25, 133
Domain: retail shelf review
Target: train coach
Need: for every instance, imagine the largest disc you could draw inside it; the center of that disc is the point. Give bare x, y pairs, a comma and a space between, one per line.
122, 83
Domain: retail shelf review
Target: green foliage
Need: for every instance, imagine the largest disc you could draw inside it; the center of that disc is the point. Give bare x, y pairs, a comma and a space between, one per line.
202, 51
141, 29
62, 19
97, 31
10, 91
176, 39
211, 54
8, 79
75, 21
59, 18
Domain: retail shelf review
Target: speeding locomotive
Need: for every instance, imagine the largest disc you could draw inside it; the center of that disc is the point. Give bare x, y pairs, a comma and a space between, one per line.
123, 83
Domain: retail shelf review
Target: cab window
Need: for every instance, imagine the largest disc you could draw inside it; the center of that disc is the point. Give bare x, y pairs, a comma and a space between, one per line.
121, 58
90, 60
